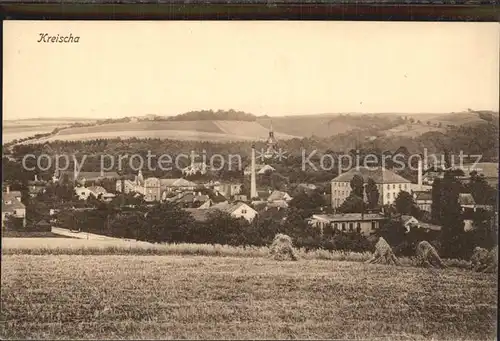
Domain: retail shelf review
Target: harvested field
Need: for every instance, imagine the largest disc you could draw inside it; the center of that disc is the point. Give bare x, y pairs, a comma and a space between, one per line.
240, 298
114, 246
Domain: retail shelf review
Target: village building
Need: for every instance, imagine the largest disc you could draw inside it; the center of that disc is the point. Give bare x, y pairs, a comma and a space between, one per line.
195, 168
466, 202
236, 210
83, 178
278, 199
304, 188
389, 184
191, 200
410, 222
36, 186
12, 206
423, 199
365, 224
240, 197
260, 169
154, 189
98, 192
227, 189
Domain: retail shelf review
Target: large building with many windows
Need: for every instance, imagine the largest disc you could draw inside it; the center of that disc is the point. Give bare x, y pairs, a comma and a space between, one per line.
389, 184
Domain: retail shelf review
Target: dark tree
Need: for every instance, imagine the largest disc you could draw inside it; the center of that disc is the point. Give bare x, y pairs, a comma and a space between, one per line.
372, 193
353, 204
437, 201
357, 186
454, 240
404, 203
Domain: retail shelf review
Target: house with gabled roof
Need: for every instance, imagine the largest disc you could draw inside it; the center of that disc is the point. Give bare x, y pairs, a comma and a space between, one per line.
389, 184
260, 169
12, 206
423, 199
236, 210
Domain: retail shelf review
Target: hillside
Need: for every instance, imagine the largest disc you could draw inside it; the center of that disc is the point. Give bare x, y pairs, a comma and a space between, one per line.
180, 130
240, 126
18, 129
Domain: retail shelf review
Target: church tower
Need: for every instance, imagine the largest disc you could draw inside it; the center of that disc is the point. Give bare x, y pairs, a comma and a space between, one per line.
271, 143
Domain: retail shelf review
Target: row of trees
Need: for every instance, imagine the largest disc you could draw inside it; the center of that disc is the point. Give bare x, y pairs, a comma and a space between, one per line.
167, 223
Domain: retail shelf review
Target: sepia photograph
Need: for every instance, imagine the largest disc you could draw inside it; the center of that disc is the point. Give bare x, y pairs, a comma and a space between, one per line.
250, 180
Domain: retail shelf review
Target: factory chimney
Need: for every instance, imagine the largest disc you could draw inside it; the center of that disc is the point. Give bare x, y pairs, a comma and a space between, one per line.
420, 171
253, 181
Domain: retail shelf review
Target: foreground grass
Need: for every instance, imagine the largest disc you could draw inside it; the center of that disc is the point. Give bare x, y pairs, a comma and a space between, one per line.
22, 234
233, 298
72, 246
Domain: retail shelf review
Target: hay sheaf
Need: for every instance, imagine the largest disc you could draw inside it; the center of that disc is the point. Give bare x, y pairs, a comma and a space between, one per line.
282, 248
428, 256
483, 260
383, 254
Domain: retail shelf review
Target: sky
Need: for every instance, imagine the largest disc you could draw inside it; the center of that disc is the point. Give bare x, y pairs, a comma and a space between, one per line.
266, 68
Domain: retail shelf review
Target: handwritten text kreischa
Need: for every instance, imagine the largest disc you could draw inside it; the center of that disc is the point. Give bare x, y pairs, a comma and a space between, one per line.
46, 38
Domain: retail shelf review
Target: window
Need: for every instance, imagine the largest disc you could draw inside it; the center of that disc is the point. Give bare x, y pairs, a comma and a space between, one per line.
244, 211
393, 186
404, 186
388, 195
399, 186
358, 227
374, 225
351, 226
343, 226
336, 226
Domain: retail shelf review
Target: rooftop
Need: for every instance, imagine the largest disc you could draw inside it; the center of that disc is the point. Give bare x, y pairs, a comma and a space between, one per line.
10, 202
466, 199
349, 217
278, 195
179, 182
89, 175
423, 195
380, 175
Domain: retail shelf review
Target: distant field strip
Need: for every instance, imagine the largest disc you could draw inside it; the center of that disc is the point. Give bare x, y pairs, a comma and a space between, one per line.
150, 297
160, 134
9, 134
201, 126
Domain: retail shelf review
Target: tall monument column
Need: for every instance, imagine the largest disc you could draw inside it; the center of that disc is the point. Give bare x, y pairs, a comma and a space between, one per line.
253, 180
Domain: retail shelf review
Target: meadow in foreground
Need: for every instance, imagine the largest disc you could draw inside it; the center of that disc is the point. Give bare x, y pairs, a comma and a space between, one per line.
72, 296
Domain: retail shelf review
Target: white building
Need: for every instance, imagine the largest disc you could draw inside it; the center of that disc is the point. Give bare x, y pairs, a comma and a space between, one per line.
154, 189
278, 199
97, 192
236, 210
365, 224
12, 206
195, 168
389, 184
259, 169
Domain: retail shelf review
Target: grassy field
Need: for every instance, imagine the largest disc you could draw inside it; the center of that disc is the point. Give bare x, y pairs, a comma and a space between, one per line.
412, 130
23, 235
73, 246
159, 297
